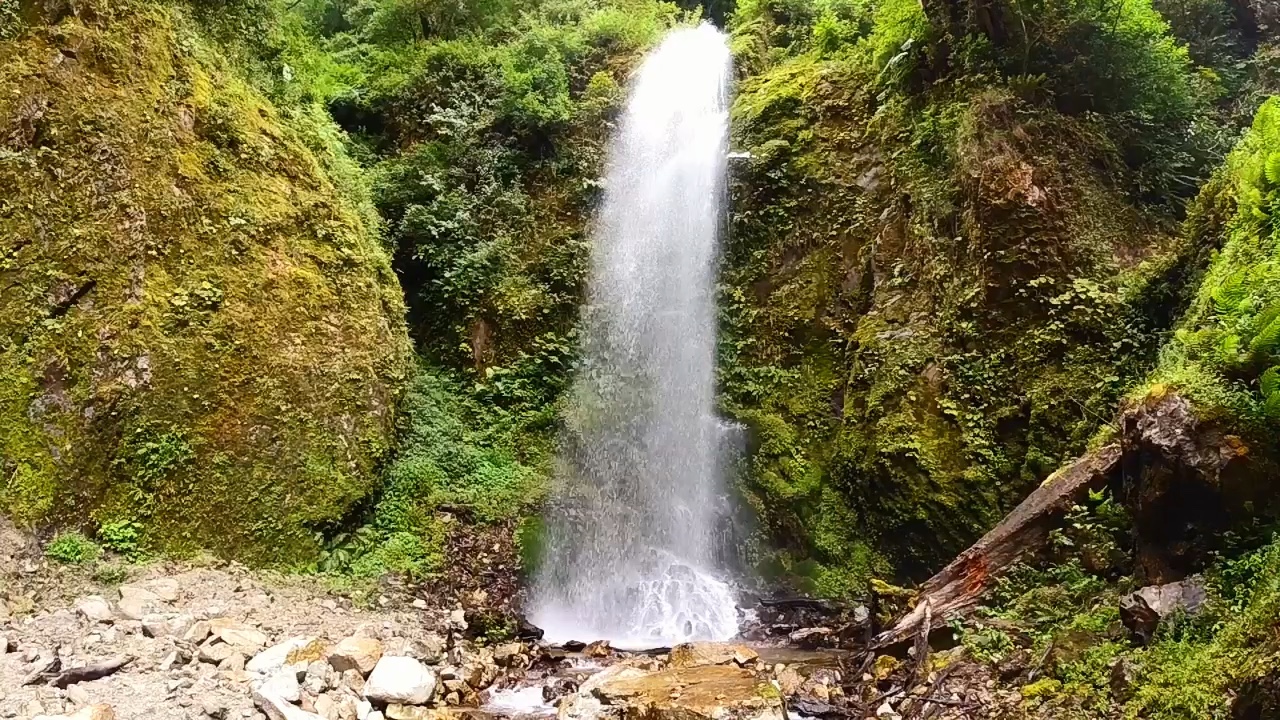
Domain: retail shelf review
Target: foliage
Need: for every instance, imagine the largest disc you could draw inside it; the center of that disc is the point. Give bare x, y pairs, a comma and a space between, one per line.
123, 537
72, 548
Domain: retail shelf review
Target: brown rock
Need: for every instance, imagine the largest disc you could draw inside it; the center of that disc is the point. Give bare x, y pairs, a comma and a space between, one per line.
704, 692
356, 653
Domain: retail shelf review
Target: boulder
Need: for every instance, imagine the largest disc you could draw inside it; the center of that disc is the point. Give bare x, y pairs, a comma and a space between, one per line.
282, 684
95, 608
356, 653
708, 653
598, 649
812, 638
1142, 611
159, 626
401, 680
167, 589
706, 692
214, 652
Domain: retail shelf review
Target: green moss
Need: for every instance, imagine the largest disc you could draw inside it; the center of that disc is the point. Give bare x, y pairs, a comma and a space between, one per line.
202, 332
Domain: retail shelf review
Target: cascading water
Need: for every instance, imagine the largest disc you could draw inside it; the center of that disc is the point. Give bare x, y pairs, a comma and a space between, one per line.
630, 541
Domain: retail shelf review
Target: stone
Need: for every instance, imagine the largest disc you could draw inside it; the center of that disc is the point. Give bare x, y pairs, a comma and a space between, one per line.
167, 589
508, 653
375, 715
6, 645
234, 663
159, 626
214, 652
811, 638
92, 712
318, 677
363, 708
598, 649
326, 708
401, 680
214, 709
95, 608
283, 684
710, 653
356, 653
296, 653
417, 712
137, 602
353, 681
78, 694
1142, 611
197, 633
277, 708
238, 634
706, 692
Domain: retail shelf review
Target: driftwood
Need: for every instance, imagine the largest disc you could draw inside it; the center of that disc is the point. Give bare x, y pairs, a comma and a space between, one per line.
958, 586
91, 672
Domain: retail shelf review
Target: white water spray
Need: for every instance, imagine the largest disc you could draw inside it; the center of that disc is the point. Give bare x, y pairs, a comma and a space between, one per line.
630, 552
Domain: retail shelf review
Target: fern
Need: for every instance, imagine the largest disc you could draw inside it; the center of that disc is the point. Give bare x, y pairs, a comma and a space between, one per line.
1272, 406
1272, 169
1270, 381
1229, 349
1267, 341
1228, 296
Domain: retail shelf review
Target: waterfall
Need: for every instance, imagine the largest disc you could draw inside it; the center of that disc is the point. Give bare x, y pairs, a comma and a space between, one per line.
629, 550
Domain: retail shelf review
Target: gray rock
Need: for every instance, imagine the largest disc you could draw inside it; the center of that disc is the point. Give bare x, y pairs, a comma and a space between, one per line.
95, 608
318, 677
1144, 610
214, 652
401, 680
283, 684
301, 649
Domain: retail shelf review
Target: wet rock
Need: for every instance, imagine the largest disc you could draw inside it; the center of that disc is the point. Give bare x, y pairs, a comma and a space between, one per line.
812, 638
573, 645
557, 688
508, 654
715, 692
709, 653
526, 630
401, 680
1142, 611
356, 653
598, 649
414, 712
95, 608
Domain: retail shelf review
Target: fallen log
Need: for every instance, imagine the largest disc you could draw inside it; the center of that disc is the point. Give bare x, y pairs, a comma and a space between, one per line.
959, 585
87, 673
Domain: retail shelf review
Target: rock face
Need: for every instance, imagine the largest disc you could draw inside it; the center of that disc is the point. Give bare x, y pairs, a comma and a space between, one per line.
401, 680
713, 692
274, 344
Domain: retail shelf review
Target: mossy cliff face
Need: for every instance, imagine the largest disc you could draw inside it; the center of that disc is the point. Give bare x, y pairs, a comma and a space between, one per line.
942, 274
200, 330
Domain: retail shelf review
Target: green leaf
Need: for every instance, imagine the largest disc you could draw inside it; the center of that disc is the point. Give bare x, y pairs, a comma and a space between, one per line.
1272, 170
1270, 381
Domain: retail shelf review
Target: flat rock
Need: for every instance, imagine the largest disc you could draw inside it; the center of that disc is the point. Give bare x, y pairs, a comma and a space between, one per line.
708, 653
137, 602
283, 684
401, 680
238, 633
296, 653
356, 653
710, 692
95, 608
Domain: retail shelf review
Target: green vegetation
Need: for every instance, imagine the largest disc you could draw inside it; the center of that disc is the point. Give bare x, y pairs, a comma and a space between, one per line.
72, 549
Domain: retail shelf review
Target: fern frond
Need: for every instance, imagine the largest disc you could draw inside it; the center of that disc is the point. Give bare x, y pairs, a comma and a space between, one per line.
1272, 169
1267, 341
1270, 381
1229, 349
1272, 406
1228, 296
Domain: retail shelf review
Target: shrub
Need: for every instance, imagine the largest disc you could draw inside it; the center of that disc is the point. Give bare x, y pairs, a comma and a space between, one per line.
72, 549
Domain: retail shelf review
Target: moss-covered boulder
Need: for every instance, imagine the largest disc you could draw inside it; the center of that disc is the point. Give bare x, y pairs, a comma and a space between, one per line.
199, 331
